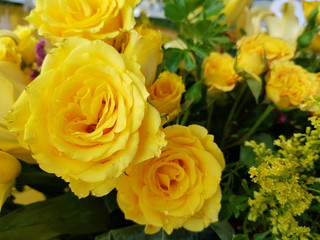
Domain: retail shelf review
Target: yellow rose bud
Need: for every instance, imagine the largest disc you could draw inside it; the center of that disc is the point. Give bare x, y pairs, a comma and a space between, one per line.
178, 189
144, 44
288, 85
165, 95
86, 117
9, 50
315, 44
257, 52
5, 190
27, 43
218, 72
98, 19
233, 9
308, 6
12, 84
9, 167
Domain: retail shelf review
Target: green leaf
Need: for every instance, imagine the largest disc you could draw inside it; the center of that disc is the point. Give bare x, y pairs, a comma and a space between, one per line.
65, 214
212, 8
194, 93
189, 62
173, 57
261, 236
304, 40
220, 39
201, 51
175, 11
240, 237
223, 229
255, 88
135, 232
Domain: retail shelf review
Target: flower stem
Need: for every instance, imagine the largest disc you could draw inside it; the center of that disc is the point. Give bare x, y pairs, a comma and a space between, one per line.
185, 117
228, 124
253, 128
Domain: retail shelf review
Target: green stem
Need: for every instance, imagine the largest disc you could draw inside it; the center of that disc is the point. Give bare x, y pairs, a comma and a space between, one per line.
210, 115
253, 128
314, 190
185, 116
228, 124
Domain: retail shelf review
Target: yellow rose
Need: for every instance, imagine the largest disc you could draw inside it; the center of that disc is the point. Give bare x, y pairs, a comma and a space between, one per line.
9, 50
257, 52
308, 6
11, 85
27, 43
144, 44
218, 72
178, 189
9, 169
89, 19
288, 85
86, 118
315, 44
165, 95
234, 9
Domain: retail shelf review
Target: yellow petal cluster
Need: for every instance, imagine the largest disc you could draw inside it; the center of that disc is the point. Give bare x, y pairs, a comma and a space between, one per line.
166, 93
257, 52
9, 49
12, 83
95, 19
178, 189
289, 85
308, 6
219, 73
86, 118
9, 169
144, 44
27, 43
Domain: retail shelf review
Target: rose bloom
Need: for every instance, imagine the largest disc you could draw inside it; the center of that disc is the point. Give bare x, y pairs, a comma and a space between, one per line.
165, 95
288, 85
257, 52
98, 19
86, 118
27, 43
218, 72
178, 189
144, 44
308, 6
10, 168
9, 50
12, 83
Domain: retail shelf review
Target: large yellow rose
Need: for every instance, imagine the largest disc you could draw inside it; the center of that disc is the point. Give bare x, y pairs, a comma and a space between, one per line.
12, 83
86, 118
144, 44
288, 84
165, 95
257, 52
178, 189
91, 19
218, 72
9, 169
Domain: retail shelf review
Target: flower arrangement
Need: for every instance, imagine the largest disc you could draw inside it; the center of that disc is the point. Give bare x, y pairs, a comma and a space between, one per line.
203, 125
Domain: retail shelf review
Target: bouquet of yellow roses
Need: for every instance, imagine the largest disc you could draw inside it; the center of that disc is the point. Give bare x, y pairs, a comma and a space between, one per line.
202, 125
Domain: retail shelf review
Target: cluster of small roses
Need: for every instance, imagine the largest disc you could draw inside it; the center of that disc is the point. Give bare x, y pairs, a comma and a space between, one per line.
86, 118
286, 83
